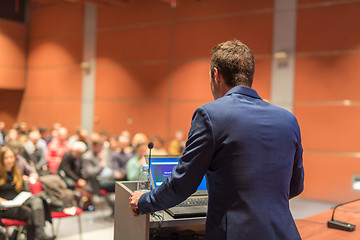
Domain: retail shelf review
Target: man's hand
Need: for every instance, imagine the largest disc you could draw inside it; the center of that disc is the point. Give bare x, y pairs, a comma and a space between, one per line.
81, 182
133, 202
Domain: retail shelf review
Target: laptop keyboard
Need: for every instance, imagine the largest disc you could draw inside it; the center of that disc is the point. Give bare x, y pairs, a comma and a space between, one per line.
194, 201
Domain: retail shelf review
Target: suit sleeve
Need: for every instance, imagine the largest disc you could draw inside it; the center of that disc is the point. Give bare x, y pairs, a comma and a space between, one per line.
297, 179
192, 166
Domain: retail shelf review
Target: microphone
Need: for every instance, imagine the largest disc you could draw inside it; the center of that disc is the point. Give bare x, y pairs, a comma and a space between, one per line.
150, 146
338, 224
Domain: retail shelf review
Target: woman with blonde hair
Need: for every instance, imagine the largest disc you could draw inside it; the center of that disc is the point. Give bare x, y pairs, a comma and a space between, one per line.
11, 184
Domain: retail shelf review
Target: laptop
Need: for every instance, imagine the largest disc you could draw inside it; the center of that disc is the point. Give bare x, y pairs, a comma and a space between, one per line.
194, 206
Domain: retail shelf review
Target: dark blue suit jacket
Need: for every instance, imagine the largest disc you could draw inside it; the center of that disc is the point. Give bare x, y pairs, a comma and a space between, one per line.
251, 154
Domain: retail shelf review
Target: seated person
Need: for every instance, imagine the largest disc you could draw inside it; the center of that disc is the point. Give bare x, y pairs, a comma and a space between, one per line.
11, 183
26, 170
158, 146
56, 149
134, 165
177, 145
34, 154
106, 176
80, 135
92, 164
120, 157
139, 138
116, 157
70, 166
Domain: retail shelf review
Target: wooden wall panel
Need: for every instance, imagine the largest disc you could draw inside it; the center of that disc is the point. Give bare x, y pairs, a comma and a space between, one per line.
12, 77
214, 8
12, 40
134, 44
332, 128
331, 27
189, 36
133, 82
326, 96
181, 113
54, 83
262, 77
12, 55
329, 176
332, 78
46, 112
55, 52
133, 14
148, 117
191, 81
323, 2
10, 104
59, 20
157, 53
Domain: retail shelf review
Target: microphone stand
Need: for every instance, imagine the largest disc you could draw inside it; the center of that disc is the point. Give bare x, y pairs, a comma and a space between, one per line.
335, 224
150, 146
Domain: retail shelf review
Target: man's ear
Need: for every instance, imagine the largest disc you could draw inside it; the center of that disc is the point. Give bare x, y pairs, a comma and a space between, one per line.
216, 75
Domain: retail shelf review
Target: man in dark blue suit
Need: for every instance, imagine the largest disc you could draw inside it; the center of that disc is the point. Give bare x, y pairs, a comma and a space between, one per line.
249, 150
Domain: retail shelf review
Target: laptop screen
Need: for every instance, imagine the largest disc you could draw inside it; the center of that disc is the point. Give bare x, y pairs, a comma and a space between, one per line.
161, 167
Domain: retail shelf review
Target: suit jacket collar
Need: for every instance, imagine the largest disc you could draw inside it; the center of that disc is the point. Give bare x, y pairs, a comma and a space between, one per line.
243, 90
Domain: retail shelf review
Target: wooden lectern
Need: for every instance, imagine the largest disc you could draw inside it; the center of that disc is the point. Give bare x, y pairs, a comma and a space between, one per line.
126, 226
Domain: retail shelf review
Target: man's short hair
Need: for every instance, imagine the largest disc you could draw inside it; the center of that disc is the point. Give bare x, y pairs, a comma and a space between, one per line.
235, 62
79, 146
34, 134
96, 140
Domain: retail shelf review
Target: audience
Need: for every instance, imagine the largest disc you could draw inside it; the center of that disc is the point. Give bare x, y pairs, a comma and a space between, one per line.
2, 134
41, 143
45, 135
70, 166
23, 166
158, 146
12, 135
109, 146
177, 145
120, 157
56, 149
22, 129
134, 165
80, 135
85, 166
11, 183
107, 176
93, 164
138, 139
34, 154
